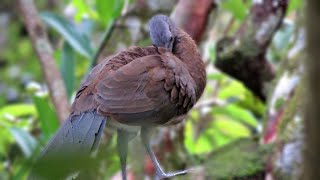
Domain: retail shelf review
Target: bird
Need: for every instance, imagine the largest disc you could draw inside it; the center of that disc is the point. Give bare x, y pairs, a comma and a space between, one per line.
136, 90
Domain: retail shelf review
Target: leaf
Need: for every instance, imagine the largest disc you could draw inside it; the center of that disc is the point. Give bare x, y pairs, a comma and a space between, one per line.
232, 89
48, 119
83, 10
67, 68
237, 7
237, 113
109, 10
18, 110
79, 42
25, 141
294, 5
231, 128
215, 76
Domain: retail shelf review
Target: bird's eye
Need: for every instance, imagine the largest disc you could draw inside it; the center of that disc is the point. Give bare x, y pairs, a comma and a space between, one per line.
171, 38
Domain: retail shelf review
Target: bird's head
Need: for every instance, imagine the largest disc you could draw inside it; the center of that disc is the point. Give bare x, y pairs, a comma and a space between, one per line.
162, 31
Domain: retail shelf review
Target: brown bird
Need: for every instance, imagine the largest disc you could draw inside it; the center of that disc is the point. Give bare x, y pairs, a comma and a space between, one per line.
135, 90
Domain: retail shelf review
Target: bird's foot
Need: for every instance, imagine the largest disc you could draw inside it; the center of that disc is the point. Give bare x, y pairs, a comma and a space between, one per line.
162, 175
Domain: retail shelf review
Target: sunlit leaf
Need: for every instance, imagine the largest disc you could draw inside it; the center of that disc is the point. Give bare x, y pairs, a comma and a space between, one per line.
67, 68
25, 141
231, 128
237, 113
70, 33
201, 145
294, 5
18, 110
232, 89
215, 76
83, 10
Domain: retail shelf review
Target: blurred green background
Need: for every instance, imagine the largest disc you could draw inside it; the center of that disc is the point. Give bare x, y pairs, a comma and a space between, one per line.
227, 113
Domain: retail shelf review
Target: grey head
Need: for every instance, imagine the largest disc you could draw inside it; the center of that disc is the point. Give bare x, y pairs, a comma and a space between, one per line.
162, 31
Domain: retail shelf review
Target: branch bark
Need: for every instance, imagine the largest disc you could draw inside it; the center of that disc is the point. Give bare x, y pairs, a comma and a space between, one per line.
312, 114
243, 56
43, 49
193, 21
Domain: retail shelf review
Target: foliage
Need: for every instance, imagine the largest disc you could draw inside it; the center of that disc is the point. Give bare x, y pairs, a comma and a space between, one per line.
28, 120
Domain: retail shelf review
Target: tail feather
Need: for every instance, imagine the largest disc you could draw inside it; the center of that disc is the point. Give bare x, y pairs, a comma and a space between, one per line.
70, 148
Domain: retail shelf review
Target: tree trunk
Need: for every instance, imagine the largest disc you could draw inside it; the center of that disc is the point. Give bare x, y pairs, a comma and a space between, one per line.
312, 113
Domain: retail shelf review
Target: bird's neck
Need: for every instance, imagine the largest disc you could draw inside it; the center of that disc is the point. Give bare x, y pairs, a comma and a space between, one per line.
186, 50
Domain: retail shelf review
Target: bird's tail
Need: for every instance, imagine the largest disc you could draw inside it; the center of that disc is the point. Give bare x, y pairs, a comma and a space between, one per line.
70, 148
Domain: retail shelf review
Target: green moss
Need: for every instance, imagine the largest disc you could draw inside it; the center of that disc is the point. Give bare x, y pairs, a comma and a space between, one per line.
242, 158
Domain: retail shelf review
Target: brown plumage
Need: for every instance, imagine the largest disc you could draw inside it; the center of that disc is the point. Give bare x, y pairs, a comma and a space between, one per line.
145, 86
139, 87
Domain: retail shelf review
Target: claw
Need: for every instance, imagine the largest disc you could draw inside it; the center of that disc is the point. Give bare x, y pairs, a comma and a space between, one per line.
162, 175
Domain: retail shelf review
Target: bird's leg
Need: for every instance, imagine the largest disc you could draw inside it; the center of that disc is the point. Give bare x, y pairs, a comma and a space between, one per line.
122, 146
160, 174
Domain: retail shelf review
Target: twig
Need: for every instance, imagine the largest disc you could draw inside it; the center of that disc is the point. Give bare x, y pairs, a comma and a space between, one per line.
43, 50
229, 26
106, 36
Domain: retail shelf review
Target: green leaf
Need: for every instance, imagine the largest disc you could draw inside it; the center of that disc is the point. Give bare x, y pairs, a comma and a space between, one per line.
237, 7
109, 9
294, 5
79, 42
25, 141
232, 89
215, 76
83, 10
18, 110
231, 128
237, 113
67, 68
48, 119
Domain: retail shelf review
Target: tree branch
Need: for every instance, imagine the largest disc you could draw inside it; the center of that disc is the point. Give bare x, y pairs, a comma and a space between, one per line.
243, 56
106, 36
43, 49
193, 21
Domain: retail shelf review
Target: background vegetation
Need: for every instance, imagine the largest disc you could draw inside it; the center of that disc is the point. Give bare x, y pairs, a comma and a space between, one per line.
226, 136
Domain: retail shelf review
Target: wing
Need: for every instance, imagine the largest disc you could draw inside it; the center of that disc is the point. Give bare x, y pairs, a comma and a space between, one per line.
156, 87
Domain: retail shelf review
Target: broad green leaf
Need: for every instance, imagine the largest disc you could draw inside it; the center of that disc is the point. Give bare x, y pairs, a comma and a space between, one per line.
48, 119
67, 68
77, 41
237, 7
232, 89
25, 141
231, 128
221, 131
237, 113
201, 145
18, 110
